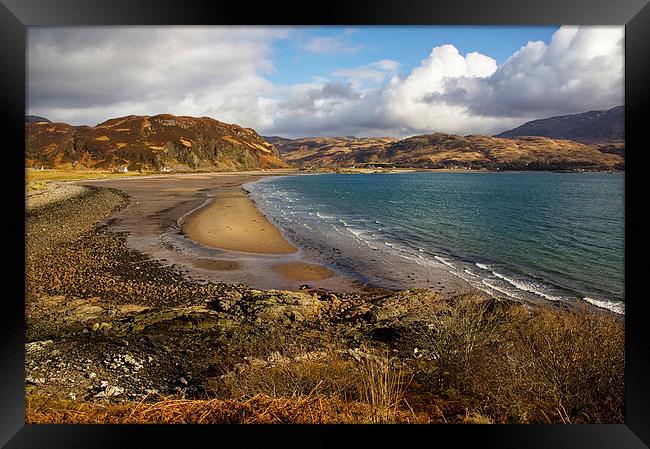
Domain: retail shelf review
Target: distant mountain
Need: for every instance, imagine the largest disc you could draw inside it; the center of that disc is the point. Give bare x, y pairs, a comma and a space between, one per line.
588, 127
331, 150
150, 143
441, 150
35, 119
275, 139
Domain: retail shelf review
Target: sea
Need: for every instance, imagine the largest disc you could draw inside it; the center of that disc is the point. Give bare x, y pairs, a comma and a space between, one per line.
529, 236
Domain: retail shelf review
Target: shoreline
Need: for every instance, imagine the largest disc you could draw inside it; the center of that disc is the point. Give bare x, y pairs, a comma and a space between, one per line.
508, 284
108, 326
206, 224
266, 259
222, 235
232, 222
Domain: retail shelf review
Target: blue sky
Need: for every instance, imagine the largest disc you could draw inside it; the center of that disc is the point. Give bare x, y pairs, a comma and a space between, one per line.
324, 81
408, 45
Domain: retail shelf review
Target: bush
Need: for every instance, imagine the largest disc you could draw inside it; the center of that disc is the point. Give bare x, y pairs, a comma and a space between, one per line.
574, 362
519, 365
369, 378
383, 382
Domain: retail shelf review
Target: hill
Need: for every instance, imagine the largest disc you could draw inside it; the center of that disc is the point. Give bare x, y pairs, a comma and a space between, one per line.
157, 142
330, 151
441, 150
587, 127
35, 119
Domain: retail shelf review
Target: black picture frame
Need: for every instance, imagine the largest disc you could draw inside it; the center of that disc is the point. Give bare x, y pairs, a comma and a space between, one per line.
16, 15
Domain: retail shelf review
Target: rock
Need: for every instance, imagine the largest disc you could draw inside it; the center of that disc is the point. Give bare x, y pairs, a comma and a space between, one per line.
373, 315
359, 355
128, 309
35, 380
233, 295
223, 305
37, 346
85, 312
110, 391
283, 306
336, 302
295, 316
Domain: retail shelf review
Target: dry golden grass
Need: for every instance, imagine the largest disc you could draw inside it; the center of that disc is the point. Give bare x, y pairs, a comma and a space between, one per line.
480, 361
326, 387
371, 378
259, 409
71, 175
382, 387
574, 362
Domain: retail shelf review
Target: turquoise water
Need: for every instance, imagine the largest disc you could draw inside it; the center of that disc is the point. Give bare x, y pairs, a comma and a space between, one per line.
526, 235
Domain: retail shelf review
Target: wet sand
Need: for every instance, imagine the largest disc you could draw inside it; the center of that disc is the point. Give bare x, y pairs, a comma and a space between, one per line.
231, 221
207, 226
302, 271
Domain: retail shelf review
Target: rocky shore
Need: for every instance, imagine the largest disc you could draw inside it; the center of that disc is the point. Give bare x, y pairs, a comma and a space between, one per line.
107, 324
103, 320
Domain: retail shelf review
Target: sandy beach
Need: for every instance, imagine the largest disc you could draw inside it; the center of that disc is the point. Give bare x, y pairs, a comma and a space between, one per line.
124, 312
208, 226
231, 221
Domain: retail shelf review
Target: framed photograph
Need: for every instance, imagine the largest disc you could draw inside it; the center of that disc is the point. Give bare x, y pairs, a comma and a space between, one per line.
374, 219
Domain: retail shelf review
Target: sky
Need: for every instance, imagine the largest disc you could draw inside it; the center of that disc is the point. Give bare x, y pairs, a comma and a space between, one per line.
394, 81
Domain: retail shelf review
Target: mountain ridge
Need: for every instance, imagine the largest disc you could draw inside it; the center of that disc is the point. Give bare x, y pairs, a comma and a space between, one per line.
166, 142
601, 126
440, 150
35, 119
158, 142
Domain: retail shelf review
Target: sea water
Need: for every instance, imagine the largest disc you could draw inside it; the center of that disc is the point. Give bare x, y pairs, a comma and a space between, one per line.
524, 235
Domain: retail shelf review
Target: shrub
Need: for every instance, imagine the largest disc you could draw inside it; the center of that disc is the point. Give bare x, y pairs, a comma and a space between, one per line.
516, 364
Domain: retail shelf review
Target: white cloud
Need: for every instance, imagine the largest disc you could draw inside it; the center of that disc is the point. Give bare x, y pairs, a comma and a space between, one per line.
368, 76
86, 75
89, 75
581, 69
404, 97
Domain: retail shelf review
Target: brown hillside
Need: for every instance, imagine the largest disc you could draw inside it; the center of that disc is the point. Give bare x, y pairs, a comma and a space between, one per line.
149, 142
329, 151
441, 150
